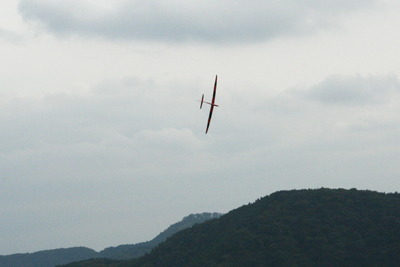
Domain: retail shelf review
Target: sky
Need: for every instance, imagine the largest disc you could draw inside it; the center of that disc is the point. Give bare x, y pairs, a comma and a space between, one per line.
102, 141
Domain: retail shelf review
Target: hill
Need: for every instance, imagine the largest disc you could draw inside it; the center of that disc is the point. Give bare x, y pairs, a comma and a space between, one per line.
51, 258
323, 227
47, 258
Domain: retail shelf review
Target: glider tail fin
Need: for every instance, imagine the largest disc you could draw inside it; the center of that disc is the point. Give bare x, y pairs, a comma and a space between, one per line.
202, 98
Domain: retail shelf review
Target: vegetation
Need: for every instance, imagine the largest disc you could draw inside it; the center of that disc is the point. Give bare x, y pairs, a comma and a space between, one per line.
323, 227
94, 262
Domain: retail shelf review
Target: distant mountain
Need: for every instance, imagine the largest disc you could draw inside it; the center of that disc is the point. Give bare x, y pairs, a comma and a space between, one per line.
47, 258
304, 228
51, 258
137, 250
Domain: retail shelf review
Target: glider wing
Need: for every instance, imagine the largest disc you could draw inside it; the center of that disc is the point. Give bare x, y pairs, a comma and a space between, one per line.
212, 104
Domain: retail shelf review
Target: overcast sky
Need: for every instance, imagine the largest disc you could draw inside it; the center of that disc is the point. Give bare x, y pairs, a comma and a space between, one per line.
102, 140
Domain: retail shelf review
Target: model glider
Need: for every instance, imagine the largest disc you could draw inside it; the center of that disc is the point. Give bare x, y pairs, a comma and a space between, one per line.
212, 104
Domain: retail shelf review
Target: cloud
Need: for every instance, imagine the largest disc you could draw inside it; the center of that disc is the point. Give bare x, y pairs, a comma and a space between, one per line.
339, 98
339, 89
220, 21
10, 36
95, 152
170, 138
130, 150
343, 115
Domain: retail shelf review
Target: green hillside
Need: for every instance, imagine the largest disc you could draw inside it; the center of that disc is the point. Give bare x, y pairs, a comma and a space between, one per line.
323, 227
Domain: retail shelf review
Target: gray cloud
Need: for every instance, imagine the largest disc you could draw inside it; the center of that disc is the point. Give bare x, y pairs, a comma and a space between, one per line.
10, 36
100, 155
218, 21
131, 150
339, 89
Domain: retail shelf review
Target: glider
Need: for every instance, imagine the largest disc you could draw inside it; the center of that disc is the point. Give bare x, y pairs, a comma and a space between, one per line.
212, 103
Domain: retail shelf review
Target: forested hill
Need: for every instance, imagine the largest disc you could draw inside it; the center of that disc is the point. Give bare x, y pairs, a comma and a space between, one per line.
323, 227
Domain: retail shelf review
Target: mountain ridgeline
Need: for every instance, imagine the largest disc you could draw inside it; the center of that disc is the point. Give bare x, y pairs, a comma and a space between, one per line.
137, 250
51, 258
322, 227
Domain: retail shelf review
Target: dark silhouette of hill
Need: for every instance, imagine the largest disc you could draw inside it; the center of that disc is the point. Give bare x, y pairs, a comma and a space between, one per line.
51, 258
323, 227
